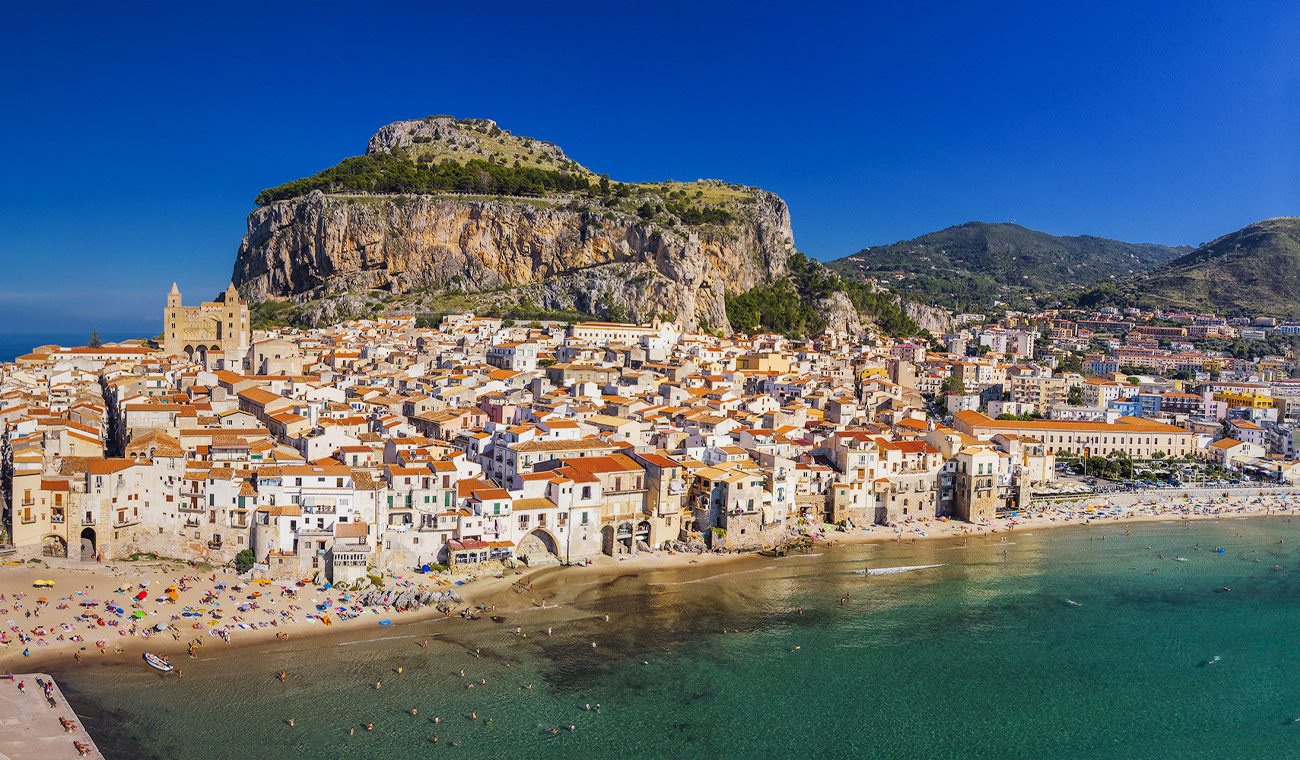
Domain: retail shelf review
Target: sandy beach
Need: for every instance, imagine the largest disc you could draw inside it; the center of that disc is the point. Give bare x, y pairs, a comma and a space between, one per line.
114, 610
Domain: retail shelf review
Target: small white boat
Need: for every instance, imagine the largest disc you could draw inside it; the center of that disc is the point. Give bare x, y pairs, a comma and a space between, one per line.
157, 662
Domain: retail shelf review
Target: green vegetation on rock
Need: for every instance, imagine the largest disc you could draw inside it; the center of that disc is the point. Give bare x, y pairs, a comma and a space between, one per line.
385, 173
789, 305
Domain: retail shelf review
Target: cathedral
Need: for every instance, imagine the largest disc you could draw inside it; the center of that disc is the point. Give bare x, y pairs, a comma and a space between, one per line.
210, 331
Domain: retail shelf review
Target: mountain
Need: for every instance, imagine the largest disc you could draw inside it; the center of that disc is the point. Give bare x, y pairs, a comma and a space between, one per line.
1254, 271
443, 213
974, 262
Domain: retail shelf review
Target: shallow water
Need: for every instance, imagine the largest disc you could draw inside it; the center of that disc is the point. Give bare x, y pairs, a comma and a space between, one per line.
978, 656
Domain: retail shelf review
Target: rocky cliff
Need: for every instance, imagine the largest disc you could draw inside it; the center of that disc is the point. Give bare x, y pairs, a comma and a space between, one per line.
558, 254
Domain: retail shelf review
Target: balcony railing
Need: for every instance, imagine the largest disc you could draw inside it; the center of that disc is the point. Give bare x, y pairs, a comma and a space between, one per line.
89, 519
56, 518
127, 522
191, 507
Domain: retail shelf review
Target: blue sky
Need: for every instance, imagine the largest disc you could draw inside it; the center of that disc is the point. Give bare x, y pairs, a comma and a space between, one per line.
135, 136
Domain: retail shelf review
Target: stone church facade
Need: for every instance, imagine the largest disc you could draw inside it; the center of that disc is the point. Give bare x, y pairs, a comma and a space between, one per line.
209, 331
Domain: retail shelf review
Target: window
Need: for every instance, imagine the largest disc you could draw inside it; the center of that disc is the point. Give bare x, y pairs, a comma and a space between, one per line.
586, 494
584, 518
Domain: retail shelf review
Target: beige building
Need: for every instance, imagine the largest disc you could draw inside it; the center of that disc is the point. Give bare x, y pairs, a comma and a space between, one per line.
1041, 392
209, 331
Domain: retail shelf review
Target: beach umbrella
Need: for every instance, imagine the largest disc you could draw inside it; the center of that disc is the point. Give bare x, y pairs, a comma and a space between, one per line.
171, 595
160, 627
141, 596
41, 599
139, 613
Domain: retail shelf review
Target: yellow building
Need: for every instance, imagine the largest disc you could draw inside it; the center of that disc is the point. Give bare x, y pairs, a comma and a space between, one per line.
220, 329
764, 362
1247, 400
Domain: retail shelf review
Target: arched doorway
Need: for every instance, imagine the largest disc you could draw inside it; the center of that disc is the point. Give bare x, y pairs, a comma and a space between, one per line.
54, 546
538, 548
625, 536
88, 547
189, 352
643, 532
607, 540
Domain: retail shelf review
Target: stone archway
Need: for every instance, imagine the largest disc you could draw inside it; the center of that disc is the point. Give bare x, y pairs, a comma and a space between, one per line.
607, 540
88, 545
625, 537
54, 546
538, 548
643, 533
189, 352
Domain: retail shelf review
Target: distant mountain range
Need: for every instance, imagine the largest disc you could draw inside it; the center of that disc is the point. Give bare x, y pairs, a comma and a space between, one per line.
1254, 271
975, 262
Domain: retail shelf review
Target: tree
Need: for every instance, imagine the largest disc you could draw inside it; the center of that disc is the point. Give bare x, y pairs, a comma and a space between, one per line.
1076, 396
244, 561
952, 384
95, 341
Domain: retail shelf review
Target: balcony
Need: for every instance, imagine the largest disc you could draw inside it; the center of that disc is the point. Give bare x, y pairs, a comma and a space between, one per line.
193, 522
58, 519
28, 520
89, 519
191, 507
126, 523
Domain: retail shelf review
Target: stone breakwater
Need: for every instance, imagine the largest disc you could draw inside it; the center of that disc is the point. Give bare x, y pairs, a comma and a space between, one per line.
406, 599
36, 721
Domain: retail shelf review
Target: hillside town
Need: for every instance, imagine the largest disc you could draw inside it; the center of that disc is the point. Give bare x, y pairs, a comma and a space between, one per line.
380, 445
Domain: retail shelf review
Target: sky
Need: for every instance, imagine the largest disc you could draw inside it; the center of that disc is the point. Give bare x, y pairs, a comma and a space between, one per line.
135, 136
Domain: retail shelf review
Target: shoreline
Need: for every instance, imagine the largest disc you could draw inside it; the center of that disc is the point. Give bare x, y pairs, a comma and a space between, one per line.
75, 581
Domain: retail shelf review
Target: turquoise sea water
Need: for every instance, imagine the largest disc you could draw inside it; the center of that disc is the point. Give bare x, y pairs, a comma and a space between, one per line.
982, 657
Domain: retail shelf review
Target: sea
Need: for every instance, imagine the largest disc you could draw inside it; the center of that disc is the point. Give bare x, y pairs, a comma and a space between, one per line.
1062, 643
17, 344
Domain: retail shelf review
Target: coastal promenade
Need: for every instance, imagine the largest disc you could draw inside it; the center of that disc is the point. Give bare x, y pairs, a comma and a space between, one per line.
30, 727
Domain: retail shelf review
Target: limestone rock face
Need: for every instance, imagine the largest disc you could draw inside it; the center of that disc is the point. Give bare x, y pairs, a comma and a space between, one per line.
321, 245
937, 321
840, 314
